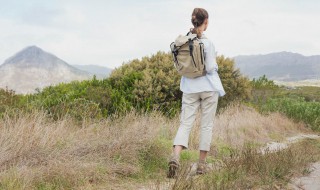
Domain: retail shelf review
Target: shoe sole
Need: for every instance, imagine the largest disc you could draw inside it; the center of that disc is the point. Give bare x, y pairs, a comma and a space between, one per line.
200, 172
173, 168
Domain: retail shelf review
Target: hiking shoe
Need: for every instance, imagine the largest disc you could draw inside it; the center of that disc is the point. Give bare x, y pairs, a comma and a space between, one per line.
173, 166
201, 168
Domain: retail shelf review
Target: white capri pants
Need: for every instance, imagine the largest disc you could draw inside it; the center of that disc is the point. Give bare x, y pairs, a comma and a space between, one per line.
208, 102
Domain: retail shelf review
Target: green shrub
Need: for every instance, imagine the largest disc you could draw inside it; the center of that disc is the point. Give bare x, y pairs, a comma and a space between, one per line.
79, 108
237, 86
78, 99
8, 100
262, 89
153, 83
296, 108
263, 83
150, 83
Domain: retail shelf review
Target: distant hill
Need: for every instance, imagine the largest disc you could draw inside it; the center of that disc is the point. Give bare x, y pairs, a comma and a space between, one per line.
282, 66
33, 68
100, 71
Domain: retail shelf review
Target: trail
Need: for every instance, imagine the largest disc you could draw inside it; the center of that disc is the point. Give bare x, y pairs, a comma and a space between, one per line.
309, 182
276, 146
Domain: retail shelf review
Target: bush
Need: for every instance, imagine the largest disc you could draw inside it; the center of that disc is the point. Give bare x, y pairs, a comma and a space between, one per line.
237, 86
8, 99
145, 85
263, 83
296, 108
262, 89
150, 83
153, 83
79, 108
78, 99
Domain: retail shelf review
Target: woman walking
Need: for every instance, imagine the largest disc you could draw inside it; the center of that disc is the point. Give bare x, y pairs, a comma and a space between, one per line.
201, 92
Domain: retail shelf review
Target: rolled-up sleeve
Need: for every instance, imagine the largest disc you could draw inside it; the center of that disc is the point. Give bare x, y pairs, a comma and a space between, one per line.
210, 57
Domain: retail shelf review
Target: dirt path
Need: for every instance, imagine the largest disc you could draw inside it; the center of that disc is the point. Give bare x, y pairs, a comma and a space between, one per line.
309, 182
276, 146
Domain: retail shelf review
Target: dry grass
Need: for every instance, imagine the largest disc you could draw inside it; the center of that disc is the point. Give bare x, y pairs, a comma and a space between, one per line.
39, 153
238, 125
36, 152
249, 169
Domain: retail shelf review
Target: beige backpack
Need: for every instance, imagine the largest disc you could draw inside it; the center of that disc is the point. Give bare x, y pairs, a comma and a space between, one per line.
188, 56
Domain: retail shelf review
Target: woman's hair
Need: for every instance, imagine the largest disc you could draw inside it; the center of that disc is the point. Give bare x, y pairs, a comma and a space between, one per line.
199, 15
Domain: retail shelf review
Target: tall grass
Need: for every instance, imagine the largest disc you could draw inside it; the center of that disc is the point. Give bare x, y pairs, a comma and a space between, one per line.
249, 169
38, 152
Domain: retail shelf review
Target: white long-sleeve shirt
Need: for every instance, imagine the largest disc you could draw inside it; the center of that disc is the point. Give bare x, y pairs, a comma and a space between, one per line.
211, 81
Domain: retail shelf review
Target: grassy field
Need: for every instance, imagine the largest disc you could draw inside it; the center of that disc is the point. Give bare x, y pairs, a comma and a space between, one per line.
131, 152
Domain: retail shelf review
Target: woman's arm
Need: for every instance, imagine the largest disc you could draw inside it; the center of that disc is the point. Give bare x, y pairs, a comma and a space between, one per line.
210, 58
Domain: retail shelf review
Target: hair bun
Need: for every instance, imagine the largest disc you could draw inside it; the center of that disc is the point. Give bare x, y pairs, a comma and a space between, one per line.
198, 17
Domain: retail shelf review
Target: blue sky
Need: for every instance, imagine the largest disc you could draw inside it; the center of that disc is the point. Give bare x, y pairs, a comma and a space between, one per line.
109, 33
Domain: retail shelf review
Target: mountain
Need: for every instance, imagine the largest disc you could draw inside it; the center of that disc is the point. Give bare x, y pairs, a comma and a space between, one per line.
33, 68
100, 71
282, 66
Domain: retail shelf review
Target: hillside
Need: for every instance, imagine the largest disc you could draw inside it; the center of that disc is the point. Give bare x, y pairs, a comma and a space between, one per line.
33, 68
282, 66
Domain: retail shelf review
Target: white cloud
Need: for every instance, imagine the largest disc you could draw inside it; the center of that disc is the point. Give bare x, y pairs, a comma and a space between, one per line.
111, 32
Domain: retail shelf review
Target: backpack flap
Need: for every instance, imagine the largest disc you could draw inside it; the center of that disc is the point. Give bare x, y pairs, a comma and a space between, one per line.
181, 39
188, 56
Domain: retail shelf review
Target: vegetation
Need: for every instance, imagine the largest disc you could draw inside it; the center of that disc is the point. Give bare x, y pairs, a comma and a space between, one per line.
144, 85
8, 100
99, 133
149, 84
39, 152
262, 90
237, 87
300, 104
249, 169
153, 84
296, 108
309, 93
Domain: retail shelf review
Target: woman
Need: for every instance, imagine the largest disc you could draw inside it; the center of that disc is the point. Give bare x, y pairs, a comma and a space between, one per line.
198, 92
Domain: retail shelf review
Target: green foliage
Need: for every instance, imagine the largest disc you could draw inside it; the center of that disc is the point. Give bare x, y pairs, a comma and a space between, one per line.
310, 93
298, 103
145, 85
149, 84
263, 83
76, 99
237, 87
152, 83
153, 159
262, 89
296, 108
